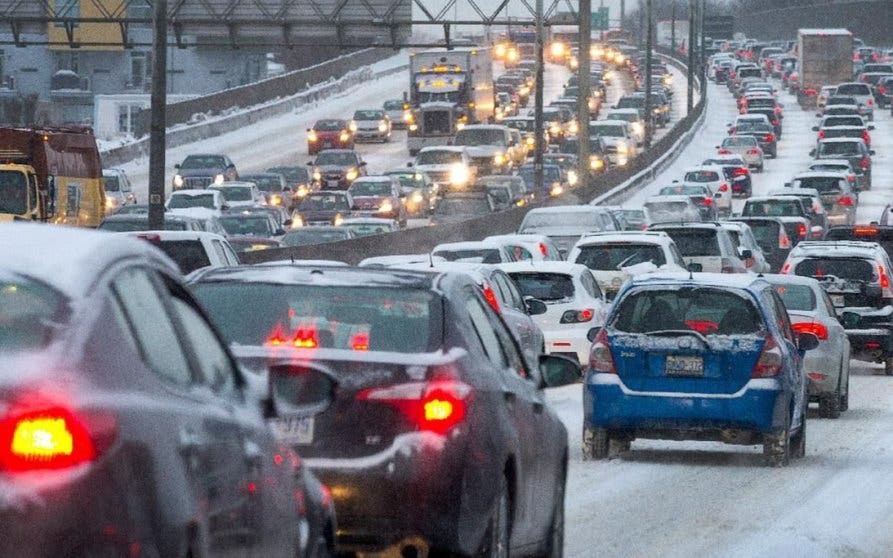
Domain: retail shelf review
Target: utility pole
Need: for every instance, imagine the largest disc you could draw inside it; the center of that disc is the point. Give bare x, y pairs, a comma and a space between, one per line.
691, 56
622, 11
583, 70
673, 27
701, 57
538, 145
158, 104
649, 56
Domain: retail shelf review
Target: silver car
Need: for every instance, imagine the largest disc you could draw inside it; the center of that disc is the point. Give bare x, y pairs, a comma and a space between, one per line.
748, 248
828, 366
745, 146
863, 95
837, 192
371, 124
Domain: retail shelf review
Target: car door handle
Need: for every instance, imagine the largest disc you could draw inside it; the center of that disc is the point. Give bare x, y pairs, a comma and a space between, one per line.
538, 407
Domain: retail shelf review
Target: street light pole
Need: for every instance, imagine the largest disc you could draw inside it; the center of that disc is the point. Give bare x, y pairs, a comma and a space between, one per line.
157, 123
583, 70
690, 104
649, 60
538, 132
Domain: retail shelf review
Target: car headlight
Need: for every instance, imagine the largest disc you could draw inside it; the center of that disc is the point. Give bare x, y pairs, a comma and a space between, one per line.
276, 199
338, 220
499, 50
417, 197
413, 127
317, 175
302, 191
572, 177
111, 202
554, 129
596, 163
386, 207
312, 137
382, 126
352, 126
344, 137
499, 159
622, 161
557, 50
573, 127
638, 128
296, 221
408, 117
218, 180
459, 175
556, 189
178, 181
622, 147
351, 174
460, 125
531, 141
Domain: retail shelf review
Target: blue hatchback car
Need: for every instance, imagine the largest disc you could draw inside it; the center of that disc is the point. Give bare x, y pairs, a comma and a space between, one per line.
697, 357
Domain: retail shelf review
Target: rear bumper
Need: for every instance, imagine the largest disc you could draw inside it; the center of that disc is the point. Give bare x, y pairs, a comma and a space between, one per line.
873, 343
757, 408
824, 364
567, 342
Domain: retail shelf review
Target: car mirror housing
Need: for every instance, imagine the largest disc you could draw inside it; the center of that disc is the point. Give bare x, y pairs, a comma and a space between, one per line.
534, 306
694, 267
850, 320
746, 254
298, 390
807, 341
558, 371
593, 333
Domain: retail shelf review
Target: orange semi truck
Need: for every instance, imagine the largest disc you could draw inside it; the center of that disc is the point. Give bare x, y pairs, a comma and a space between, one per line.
52, 175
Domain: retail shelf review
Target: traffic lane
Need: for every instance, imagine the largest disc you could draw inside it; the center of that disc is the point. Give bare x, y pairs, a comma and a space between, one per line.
710, 499
872, 202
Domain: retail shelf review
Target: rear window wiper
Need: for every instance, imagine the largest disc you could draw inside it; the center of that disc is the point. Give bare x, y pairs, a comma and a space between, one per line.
680, 332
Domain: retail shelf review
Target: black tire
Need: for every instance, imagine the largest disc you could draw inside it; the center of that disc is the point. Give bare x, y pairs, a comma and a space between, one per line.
555, 547
845, 391
595, 443
616, 447
777, 446
760, 168
888, 366
798, 441
496, 539
829, 405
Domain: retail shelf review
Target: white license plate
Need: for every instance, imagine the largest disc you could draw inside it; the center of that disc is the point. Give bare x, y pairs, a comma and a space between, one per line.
838, 300
293, 430
676, 365
328, 144
332, 183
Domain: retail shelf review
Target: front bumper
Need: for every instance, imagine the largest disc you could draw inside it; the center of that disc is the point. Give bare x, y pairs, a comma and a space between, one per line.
371, 134
757, 408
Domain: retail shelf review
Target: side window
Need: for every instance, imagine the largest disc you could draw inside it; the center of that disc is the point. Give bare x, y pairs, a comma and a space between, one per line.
485, 332
591, 285
780, 314
512, 295
123, 322
146, 311
829, 306
221, 253
211, 358
676, 256
231, 256
509, 346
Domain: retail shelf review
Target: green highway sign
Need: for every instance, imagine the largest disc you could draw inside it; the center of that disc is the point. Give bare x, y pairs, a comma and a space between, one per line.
600, 20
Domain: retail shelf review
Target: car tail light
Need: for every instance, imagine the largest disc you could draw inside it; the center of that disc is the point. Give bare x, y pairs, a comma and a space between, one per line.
819, 330
864, 78
577, 316
775, 122
845, 201
882, 273
821, 134
777, 110
769, 363
740, 171
872, 345
882, 90
732, 75
866, 137
543, 249
783, 240
600, 359
723, 187
770, 138
801, 230
786, 268
53, 438
306, 338
753, 151
708, 201
865, 231
732, 130
743, 110
851, 177
864, 162
490, 295
724, 152
156, 238
434, 406
870, 102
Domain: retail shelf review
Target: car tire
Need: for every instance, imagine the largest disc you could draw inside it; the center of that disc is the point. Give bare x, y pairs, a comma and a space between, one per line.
798, 441
496, 538
777, 446
595, 443
888, 365
829, 405
760, 168
555, 548
845, 392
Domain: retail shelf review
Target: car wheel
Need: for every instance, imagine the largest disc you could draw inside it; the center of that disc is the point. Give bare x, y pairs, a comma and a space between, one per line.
760, 168
845, 395
595, 443
777, 446
798, 442
496, 539
888, 366
556, 531
829, 405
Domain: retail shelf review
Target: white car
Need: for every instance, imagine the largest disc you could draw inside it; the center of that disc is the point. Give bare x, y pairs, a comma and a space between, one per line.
196, 203
748, 248
828, 366
619, 142
398, 260
241, 194
714, 178
636, 123
574, 304
565, 224
863, 95
615, 257
448, 167
117, 190
191, 250
487, 252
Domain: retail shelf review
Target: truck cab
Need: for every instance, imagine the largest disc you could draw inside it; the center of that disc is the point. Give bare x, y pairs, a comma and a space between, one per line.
19, 197
433, 124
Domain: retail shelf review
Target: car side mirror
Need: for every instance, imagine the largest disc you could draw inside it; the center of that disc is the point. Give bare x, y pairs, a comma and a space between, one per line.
296, 392
872, 291
871, 152
279, 232
410, 164
363, 164
746, 254
818, 115
287, 222
534, 306
815, 128
593, 333
807, 341
850, 320
558, 371
694, 267
812, 152
177, 166
309, 163
871, 127
225, 207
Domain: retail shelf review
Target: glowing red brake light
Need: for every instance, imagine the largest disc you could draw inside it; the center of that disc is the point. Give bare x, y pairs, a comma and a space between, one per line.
775, 122
845, 201
150, 237
50, 439
866, 137
723, 187
821, 134
600, 359
770, 362
491, 297
801, 230
870, 102
435, 406
740, 171
770, 138
865, 230
864, 163
753, 151
724, 152
882, 90
783, 240
819, 330
785, 268
306, 338
885, 281
851, 177
708, 201
543, 249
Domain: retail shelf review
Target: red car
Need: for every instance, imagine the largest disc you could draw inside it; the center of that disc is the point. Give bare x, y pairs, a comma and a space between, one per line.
329, 134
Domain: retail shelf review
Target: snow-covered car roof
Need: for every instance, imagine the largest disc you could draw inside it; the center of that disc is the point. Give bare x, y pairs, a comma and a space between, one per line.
836, 248
714, 168
797, 192
68, 258
722, 280
485, 127
774, 197
467, 245
530, 266
687, 225
451, 148
824, 162
666, 198
373, 178
366, 221
634, 111
857, 128
791, 279
820, 174
397, 259
610, 122
643, 237
196, 192
232, 184
175, 235
566, 209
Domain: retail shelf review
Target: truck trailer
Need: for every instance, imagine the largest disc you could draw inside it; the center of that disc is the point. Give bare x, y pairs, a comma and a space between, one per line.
825, 57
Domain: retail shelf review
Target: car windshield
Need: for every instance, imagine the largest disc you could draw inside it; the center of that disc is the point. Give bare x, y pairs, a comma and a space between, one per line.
626, 116
31, 313
772, 208
329, 126
336, 159
371, 318
203, 162
631, 102
462, 206
368, 115
853, 89
607, 130
110, 181
264, 183
701, 176
13, 193
293, 175
706, 310
796, 297
189, 255
824, 184
236, 193
186, 201
615, 256
480, 136
370, 188
252, 225
576, 219
324, 202
138, 223
393, 105
548, 287
551, 173
854, 269
474, 255
313, 235
368, 229
408, 179
740, 141
438, 157
696, 242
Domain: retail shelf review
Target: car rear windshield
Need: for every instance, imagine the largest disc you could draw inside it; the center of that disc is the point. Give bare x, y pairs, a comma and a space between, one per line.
682, 190
551, 219
796, 297
370, 318
833, 121
393, 105
842, 100
246, 225
843, 133
31, 313
882, 236
706, 310
462, 206
772, 208
370, 188
615, 256
854, 269
740, 141
309, 235
367, 229
482, 255
185, 201
292, 174
696, 242
189, 255
548, 287
853, 89
824, 184
844, 148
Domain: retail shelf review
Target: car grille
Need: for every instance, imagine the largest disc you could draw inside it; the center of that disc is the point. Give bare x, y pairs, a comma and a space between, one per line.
483, 164
197, 182
611, 149
439, 176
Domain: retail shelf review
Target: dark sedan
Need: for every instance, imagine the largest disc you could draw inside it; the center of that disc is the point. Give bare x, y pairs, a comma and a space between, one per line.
126, 426
437, 439
322, 208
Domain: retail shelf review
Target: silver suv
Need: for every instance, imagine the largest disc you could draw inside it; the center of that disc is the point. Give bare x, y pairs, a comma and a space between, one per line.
863, 95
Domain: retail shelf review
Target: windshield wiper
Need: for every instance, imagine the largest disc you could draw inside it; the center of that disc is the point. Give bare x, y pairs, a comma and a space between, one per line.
679, 332
624, 262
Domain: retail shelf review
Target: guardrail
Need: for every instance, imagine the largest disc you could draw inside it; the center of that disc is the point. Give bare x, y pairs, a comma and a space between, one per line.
423, 239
